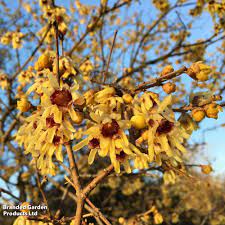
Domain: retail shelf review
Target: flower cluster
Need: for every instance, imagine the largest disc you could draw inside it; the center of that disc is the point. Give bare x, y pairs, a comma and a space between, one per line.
53, 14
50, 126
162, 5
161, 134
14, 38
108, 134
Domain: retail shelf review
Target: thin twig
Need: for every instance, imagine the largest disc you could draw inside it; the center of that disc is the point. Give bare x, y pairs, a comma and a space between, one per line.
57, 50
8, 193
42, 192
158, 81
103, 218
110, 55
97, 180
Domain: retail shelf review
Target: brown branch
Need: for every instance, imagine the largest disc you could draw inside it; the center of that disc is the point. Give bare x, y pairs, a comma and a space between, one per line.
8, 193
110, 55
103, 218
57, 49
74, 197
11, 127
160, 80
97, 180
190, 107
75, 178
42, 192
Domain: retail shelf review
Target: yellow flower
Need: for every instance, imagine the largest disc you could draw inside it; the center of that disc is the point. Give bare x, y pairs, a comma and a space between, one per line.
107, 138
187, 123
17, 39
25, 77
25, 207
23, 104
107, 101
49, 127
6, 38
127, 98
161, 5
138, 121
169, 177
50, 35
45, 61
12, 37
175, 218
163, 135
44, 3
57, 14
121, 220
21, 220
66, 67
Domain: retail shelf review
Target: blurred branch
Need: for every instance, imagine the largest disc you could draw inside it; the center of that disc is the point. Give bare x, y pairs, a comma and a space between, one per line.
42, 192
97, 180
32, 54
8, 193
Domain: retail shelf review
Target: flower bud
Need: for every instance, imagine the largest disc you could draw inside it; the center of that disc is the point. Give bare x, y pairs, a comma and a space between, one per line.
198, 114
206, 169
212, 110
127, 98
44, 61
78, 118
138, 122
169, 87
158, 219
167, 69
121, 220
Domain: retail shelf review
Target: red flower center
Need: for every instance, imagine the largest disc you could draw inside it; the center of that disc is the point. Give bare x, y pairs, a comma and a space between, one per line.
35, 125
59, 19
121, 156
151, 122
93, 143
56, 140
61, 98
164, 127
110, 129
50, 122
